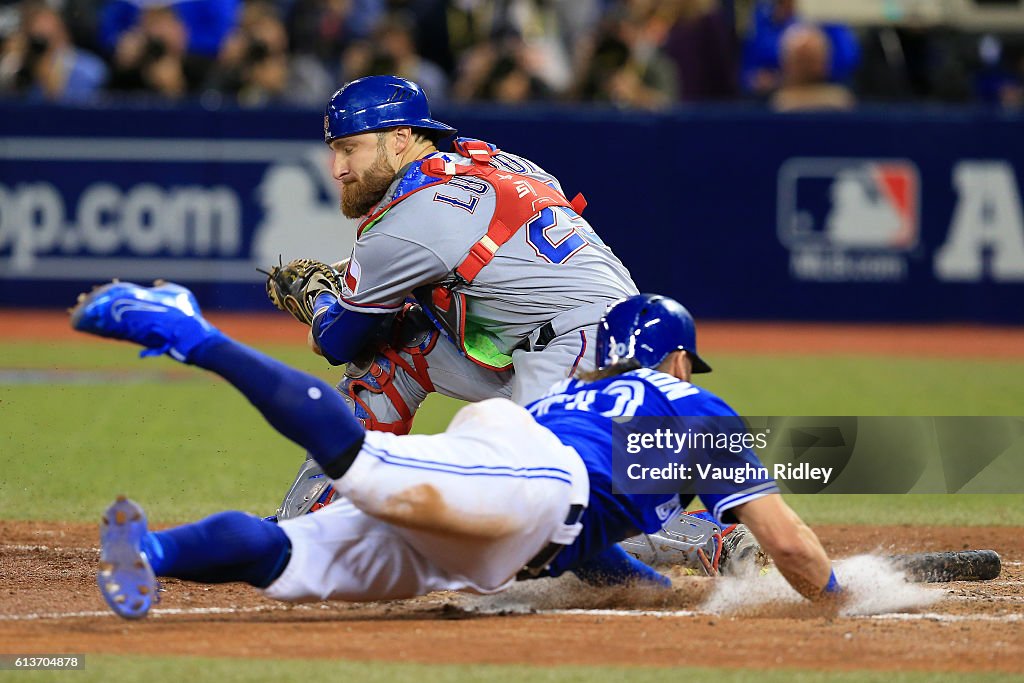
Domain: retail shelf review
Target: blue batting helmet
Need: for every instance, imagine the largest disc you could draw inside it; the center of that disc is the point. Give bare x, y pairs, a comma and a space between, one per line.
647, 327
375, 103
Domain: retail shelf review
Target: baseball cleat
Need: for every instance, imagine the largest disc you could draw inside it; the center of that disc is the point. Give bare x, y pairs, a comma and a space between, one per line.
164, 318
741, 553
125, 578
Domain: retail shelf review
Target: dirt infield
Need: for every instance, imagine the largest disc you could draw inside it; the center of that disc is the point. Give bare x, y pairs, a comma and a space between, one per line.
724, 337
50, 604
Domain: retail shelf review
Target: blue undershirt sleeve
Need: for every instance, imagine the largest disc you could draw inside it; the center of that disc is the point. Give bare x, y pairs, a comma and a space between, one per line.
342, 333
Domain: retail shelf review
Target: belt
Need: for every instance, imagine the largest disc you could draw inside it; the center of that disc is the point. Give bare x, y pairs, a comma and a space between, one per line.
544, 336
536, 567
565, 322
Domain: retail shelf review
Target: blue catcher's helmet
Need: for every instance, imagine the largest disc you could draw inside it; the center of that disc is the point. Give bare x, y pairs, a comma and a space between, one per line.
646, 328
375, 103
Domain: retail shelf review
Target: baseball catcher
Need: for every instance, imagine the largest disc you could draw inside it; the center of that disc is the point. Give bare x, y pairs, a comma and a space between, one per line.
472, 275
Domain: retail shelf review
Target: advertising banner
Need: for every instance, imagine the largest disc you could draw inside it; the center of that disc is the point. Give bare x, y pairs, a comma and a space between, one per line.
868, 216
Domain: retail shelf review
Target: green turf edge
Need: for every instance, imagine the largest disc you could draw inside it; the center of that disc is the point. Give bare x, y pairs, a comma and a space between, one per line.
913, 509
107, 669
54, 435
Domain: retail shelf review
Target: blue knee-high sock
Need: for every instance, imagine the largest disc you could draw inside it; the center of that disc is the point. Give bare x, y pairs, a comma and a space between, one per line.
228, 546
614, 566
303, 408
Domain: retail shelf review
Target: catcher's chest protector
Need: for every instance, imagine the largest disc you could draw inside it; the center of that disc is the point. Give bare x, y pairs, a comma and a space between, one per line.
518, 199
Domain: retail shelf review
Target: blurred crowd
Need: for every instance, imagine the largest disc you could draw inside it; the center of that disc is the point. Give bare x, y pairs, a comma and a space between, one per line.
641, 54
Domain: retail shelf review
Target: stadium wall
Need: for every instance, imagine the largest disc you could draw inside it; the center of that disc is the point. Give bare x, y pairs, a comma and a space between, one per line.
880, 215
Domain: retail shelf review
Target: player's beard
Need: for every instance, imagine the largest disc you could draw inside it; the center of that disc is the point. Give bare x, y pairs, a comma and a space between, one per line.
357, 198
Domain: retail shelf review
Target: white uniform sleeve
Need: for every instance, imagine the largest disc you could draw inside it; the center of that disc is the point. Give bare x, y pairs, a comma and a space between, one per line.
385, 269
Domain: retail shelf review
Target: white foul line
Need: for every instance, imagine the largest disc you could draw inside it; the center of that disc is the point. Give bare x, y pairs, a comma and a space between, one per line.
662, 614
171, 611
59, 548
935, 616
658, 614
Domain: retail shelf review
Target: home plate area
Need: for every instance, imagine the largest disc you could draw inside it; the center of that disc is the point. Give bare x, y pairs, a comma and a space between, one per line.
47, 579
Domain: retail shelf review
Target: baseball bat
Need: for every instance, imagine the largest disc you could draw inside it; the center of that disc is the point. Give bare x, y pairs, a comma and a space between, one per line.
939, 567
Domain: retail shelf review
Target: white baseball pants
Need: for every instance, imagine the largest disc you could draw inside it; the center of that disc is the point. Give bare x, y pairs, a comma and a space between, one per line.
462, 510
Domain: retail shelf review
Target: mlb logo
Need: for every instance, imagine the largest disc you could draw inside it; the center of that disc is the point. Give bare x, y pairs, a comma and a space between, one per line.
848, 204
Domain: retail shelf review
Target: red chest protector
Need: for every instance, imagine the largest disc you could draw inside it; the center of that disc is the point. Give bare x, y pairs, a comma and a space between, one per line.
518, 199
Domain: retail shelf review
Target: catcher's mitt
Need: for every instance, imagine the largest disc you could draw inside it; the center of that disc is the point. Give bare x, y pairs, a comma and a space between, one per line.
294, 286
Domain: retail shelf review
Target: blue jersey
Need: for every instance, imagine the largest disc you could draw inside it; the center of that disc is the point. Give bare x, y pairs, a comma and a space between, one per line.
581, 415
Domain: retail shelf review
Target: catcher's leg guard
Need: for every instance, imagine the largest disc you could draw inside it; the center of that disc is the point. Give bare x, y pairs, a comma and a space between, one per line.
384, 388
732, 550
741, 553
677, 543
310, 491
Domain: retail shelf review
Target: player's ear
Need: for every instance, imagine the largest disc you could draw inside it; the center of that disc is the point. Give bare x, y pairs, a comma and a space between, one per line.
686, 372
678, 365
403, 138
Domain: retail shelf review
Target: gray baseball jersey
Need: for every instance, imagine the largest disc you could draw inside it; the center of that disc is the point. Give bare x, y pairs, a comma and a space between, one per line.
553, 265
554, 270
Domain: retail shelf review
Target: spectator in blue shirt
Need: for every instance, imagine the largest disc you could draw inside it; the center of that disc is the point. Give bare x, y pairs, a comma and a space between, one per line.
761, 67
152, 59
40, 62
207, 22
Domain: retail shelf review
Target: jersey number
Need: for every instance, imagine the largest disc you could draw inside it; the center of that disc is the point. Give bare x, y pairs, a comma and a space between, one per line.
540, 237
629, 397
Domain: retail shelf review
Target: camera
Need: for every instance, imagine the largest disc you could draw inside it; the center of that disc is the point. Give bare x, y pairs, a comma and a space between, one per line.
256, 52
154, 50
37, 46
